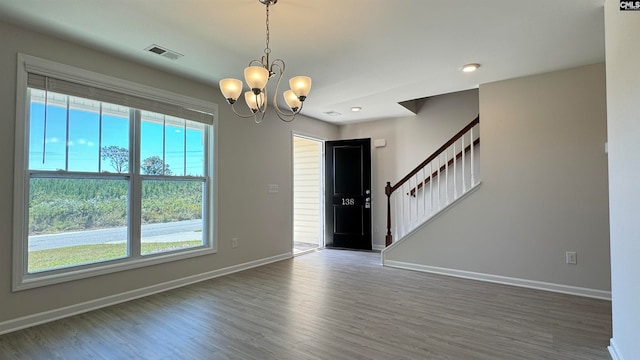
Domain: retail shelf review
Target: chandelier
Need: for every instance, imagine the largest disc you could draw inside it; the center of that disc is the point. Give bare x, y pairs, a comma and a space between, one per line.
257, 74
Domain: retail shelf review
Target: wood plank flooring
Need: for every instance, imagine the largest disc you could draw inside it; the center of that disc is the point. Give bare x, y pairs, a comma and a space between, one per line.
329, 304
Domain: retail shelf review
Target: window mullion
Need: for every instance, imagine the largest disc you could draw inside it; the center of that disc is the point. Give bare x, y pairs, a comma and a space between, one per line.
208, 206
135, 185
164, 144
100, 140
46, 110
66, 152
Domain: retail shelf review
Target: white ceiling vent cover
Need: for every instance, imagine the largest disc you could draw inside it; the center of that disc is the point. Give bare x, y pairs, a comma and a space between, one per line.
169, 54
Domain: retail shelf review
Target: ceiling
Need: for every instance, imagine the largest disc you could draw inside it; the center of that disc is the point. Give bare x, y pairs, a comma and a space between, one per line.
368, 53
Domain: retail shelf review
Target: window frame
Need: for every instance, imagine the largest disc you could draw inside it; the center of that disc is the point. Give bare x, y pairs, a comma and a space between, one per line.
21, 278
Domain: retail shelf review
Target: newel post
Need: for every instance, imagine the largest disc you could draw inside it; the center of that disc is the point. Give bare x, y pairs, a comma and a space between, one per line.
388, 239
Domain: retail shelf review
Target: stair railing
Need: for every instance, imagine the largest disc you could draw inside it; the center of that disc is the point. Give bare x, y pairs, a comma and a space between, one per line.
428, 188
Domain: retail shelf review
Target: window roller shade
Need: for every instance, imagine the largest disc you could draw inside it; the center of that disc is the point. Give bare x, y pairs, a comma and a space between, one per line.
42, 82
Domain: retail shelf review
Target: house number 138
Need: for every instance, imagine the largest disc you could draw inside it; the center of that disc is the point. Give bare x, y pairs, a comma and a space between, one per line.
348, 201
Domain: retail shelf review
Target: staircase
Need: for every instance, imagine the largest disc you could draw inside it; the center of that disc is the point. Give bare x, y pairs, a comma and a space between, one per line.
438, 182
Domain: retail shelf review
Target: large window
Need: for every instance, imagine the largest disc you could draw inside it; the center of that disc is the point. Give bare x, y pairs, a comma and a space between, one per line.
110, 175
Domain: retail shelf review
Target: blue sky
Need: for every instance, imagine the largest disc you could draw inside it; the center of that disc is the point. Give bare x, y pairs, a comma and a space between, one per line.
85, 139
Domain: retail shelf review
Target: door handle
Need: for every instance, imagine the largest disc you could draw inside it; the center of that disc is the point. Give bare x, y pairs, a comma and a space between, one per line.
367, 200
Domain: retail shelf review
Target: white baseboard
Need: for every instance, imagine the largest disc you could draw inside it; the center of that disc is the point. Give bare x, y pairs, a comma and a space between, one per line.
613, 351
377, 247
51, 315
559, 288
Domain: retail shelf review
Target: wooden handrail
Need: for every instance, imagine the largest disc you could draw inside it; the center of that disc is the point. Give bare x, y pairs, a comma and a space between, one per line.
442, 148
388, 190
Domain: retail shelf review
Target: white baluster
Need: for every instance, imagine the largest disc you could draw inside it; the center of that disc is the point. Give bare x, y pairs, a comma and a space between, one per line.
398, 213
446, 176
438, 170
464, 178
396, 232
409, 206
402, 217
455, 180
424, 193
430, 187
473, 180
415, 199
406, 208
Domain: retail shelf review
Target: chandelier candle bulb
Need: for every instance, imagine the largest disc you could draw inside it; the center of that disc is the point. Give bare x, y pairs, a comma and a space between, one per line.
292, 100
254, 101
300, 85
231, 89
256, 77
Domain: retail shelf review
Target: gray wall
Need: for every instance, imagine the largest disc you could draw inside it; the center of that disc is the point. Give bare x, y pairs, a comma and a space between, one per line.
250, 157
622, 31
544, 190
544, 177
410, 140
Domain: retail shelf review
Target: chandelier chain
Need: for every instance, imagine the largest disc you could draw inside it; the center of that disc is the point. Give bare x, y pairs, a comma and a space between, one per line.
267, 50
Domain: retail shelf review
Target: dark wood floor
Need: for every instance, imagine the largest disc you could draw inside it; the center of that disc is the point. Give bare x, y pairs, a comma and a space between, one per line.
329, 304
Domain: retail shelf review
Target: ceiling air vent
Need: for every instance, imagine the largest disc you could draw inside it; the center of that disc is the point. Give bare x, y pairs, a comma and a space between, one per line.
169, 54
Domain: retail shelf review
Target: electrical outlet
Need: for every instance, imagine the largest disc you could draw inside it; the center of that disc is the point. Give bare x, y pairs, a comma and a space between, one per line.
234, 243
572, 257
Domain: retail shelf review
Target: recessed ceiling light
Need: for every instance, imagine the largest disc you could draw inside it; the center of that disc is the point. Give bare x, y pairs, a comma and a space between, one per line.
470, 68
356, 108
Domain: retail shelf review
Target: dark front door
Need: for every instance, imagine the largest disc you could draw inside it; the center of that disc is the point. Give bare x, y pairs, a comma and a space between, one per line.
348, 194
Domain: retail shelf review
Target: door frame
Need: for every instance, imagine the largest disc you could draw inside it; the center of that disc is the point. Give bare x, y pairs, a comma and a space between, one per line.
321, 219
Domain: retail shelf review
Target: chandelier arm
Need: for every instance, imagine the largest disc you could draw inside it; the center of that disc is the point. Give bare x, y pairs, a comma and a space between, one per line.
279, 63
233, 107
282, 114
263, 108
255, 117
293, 114
275, 93
258, 62
285, 118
